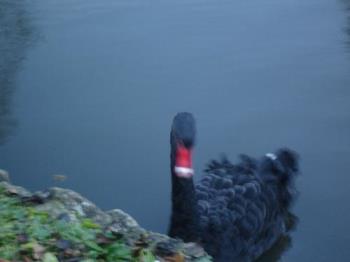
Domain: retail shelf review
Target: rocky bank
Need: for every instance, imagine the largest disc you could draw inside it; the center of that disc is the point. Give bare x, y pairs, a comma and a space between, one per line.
59, 224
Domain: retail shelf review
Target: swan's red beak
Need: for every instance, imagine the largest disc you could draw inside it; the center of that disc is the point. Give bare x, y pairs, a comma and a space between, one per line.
183, 162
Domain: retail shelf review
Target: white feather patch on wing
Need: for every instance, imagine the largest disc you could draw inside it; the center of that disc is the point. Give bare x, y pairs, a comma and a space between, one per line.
271, 156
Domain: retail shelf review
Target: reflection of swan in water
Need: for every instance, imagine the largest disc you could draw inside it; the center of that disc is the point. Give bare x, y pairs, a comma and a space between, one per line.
16, 34
237, 211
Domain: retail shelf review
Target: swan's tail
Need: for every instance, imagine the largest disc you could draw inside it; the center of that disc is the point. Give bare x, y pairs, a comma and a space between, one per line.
280, 169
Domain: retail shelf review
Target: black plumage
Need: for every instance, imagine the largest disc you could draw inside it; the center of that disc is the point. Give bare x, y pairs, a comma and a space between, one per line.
236, 211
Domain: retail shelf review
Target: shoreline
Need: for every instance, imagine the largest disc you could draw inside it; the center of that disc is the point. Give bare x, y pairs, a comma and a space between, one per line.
100, 235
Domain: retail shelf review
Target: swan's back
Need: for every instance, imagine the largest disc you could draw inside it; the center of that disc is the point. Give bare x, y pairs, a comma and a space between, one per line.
243, 208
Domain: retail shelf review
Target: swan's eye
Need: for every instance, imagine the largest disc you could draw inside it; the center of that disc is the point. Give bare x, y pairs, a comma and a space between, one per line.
187, 142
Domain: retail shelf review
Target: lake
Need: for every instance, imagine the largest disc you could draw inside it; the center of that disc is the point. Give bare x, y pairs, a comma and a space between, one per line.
88, 90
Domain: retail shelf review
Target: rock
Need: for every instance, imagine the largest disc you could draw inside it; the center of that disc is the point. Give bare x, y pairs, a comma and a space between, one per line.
123, 218
15, 190
4, 176
69, 206
193, 250
60, 201
167, 248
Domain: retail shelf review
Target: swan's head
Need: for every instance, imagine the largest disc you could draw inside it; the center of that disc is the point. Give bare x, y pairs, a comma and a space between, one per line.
183, 134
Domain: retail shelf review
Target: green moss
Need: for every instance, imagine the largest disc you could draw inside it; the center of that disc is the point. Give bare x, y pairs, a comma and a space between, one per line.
28, 233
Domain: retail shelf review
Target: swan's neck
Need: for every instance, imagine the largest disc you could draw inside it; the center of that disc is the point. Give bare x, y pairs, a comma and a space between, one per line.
184, 222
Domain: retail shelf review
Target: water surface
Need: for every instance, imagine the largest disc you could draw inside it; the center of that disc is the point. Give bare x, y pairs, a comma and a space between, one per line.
88, 90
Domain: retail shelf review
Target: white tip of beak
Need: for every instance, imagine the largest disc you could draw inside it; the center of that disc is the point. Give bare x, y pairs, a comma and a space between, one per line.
183, 171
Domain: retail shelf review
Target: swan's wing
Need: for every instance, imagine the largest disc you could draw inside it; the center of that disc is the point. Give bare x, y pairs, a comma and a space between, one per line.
234, 207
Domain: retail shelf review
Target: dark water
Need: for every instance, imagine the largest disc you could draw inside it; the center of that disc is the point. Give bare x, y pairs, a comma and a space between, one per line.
88, 90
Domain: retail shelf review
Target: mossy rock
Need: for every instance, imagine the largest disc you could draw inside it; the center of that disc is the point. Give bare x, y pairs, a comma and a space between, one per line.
60, 225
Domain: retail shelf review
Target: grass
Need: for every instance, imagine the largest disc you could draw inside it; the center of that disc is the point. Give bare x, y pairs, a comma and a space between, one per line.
27, 234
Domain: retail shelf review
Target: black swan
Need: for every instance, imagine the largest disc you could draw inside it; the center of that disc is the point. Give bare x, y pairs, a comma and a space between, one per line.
236, 211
